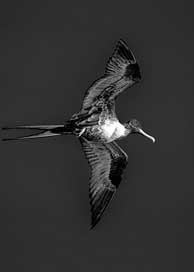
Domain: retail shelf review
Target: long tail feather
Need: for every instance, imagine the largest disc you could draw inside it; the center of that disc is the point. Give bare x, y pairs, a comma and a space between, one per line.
42, 127
47, 131
33, 136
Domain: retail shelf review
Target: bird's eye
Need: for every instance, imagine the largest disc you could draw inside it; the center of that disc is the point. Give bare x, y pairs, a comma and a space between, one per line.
135, 123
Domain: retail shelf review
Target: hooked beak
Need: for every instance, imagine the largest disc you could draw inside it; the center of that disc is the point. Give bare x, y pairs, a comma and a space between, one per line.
147, 135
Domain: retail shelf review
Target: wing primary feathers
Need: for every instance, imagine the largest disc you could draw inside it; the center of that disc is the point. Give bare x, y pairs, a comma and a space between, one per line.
124, 51
100, 205
121, 72
107, 163
121, 57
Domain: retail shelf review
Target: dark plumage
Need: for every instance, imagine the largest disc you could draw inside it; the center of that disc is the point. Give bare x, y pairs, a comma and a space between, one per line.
107, 162
97, 127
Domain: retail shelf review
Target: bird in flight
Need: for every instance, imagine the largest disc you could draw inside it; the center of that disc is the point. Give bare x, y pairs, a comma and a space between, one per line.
97, 128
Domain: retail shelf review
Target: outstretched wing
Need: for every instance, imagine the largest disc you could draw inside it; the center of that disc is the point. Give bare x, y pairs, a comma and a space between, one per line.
120, 59
107, 162
121, 72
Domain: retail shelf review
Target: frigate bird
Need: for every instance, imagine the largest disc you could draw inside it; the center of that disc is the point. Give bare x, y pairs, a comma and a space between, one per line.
97, 127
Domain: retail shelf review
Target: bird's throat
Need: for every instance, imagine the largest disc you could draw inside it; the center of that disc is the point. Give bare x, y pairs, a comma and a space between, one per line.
113, 129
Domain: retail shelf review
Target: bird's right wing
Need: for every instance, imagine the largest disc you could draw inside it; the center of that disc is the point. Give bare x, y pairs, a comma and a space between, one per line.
107, 162
121, 58
119, 69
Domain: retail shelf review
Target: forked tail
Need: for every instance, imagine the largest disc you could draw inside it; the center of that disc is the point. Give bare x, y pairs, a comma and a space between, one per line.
46, 131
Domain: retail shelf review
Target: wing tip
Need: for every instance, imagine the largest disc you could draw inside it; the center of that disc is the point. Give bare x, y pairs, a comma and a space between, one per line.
124, 50
100, 205
93, 224
122, 42
122, 53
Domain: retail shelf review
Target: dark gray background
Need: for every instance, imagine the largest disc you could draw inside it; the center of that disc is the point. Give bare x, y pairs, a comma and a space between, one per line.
51, 52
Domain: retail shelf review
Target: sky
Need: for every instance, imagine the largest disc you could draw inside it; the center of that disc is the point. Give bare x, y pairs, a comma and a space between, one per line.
51, 52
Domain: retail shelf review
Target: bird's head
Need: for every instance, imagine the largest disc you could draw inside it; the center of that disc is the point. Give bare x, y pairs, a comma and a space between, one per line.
134, 126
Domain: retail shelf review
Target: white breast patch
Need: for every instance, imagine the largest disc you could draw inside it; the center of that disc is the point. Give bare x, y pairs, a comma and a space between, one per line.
112, 128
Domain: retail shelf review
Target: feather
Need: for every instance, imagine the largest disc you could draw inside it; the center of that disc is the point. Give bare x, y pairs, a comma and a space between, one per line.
107, 162
121, 71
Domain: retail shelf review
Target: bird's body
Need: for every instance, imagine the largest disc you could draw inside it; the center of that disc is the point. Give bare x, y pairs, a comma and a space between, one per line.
102, 125
108, 130
111, 130
97, 127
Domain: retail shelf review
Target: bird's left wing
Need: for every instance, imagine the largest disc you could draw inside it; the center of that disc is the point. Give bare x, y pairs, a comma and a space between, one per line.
120, 71
107, 162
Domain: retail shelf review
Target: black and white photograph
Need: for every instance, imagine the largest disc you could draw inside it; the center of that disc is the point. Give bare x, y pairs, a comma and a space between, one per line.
97, 136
